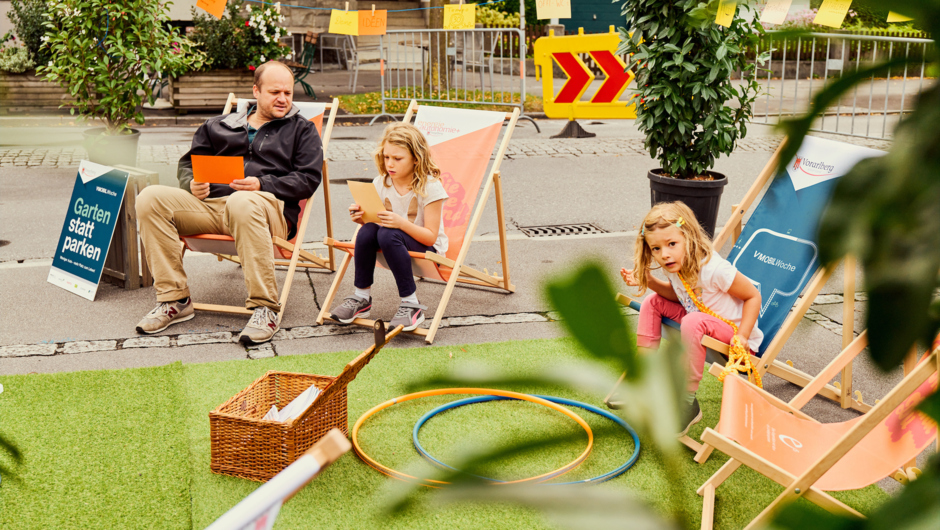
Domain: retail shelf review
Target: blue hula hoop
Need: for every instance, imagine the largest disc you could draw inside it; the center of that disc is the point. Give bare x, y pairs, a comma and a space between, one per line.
560, 401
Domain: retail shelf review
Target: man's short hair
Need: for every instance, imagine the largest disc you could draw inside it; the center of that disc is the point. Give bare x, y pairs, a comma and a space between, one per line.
261, 69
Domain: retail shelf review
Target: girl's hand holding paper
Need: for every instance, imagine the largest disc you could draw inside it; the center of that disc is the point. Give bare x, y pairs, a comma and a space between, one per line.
355, 214
389, 219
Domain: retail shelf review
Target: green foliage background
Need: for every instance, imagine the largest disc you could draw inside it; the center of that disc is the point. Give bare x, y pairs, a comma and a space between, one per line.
684, 63
28, 17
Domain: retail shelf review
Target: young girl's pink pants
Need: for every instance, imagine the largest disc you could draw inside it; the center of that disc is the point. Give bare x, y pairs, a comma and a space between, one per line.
693, 326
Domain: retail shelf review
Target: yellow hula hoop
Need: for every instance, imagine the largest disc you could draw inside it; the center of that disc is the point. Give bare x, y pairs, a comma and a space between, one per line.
478, 391
739, 357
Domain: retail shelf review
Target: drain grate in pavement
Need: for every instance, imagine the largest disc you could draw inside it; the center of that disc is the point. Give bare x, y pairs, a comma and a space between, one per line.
579, 229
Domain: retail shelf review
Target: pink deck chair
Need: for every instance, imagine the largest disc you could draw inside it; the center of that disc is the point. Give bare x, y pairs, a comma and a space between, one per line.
806, 457
462, 143
223, 246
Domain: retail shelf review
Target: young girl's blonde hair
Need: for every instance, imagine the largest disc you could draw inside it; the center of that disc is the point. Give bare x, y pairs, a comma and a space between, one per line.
698, 247
408, 137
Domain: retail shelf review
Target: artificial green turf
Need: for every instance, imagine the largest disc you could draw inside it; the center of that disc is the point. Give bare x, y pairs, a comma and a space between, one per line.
157, 411
103, 449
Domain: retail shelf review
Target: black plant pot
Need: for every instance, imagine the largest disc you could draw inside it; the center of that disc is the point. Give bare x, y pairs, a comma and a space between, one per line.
702, 196
111, 150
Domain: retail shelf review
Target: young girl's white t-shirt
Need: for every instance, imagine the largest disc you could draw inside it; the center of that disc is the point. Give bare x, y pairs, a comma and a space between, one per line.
411, 206
714, 281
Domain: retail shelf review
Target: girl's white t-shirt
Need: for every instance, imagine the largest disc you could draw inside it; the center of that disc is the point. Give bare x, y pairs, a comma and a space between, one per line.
411, 206
714, 280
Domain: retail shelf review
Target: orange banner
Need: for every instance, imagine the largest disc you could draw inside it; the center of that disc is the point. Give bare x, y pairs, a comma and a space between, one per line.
462, 143
795, 444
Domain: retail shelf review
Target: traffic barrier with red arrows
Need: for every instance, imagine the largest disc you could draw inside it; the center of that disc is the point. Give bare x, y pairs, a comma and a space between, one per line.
606, 103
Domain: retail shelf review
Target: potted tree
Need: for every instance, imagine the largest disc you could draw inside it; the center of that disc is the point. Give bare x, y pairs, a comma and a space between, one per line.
684, 65
105, 54
234, 45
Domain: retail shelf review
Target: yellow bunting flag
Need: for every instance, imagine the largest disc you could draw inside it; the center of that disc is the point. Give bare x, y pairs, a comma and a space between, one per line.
344, 22
462, 16
373, 22
894, 17
726, 9
775, 12
546, 9
213, 7
832, 12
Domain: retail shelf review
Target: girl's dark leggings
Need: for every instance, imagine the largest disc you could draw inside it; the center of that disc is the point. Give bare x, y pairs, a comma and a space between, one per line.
394, 245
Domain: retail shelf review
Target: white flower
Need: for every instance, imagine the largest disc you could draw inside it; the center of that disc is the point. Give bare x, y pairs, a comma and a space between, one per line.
50, 63
263, 59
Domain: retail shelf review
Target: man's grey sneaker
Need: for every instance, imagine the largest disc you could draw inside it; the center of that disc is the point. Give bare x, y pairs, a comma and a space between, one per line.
352, 308
165, 315
409, 315
693, 415
261, 328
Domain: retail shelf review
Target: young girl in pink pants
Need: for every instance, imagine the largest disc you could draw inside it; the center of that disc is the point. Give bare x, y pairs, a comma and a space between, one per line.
671, 237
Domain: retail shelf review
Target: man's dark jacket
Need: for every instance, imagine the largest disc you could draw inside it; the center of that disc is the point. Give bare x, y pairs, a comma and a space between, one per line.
286, 156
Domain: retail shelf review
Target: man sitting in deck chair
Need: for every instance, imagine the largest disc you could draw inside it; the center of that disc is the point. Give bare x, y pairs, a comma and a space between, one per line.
283, 158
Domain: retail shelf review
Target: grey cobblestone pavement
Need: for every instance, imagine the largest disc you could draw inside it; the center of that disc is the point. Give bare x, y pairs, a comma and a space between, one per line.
64, 157
329, 330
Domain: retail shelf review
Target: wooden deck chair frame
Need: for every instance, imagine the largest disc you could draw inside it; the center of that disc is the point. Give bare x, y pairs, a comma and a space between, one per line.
768, 363
467, 275
916, 374
310, 259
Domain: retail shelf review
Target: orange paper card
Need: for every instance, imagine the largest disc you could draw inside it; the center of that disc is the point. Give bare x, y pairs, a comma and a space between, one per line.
368, 199
218, 169
373, 24
213, 7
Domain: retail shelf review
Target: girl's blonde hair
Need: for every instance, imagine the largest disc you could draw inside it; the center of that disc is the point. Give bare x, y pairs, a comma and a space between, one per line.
698, 247
408, 137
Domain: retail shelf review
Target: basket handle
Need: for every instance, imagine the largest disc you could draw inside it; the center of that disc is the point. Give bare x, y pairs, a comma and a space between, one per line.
381, 339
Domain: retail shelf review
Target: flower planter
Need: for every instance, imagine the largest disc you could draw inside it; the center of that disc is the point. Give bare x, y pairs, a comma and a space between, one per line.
701, 196
208, 91
111, 150
27, 92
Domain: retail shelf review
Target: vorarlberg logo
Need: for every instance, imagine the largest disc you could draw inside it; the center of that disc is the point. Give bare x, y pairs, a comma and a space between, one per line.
802, 163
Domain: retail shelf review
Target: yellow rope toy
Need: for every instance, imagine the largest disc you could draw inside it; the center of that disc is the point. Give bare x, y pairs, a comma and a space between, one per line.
739, 356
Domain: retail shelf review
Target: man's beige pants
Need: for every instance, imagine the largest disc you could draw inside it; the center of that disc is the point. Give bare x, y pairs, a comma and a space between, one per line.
251, 217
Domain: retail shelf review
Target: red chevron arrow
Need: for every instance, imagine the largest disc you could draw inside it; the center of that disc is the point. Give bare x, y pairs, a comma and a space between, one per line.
617, 80
578, 78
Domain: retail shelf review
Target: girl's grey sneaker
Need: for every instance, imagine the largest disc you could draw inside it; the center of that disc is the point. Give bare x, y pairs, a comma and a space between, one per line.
693, 415
409, 315
165, 315
261, 328
352, 308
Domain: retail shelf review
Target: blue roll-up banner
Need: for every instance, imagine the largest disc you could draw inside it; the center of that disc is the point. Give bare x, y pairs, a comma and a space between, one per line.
777, 249
89, 224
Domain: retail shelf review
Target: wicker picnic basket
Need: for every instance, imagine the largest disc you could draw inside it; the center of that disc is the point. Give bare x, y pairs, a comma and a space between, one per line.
243, 445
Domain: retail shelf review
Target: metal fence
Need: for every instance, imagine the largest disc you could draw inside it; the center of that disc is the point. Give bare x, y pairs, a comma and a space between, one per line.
480, 67
801, 67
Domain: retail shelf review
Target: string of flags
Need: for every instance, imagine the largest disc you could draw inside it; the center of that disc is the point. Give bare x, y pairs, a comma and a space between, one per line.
375, 21
831, 13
